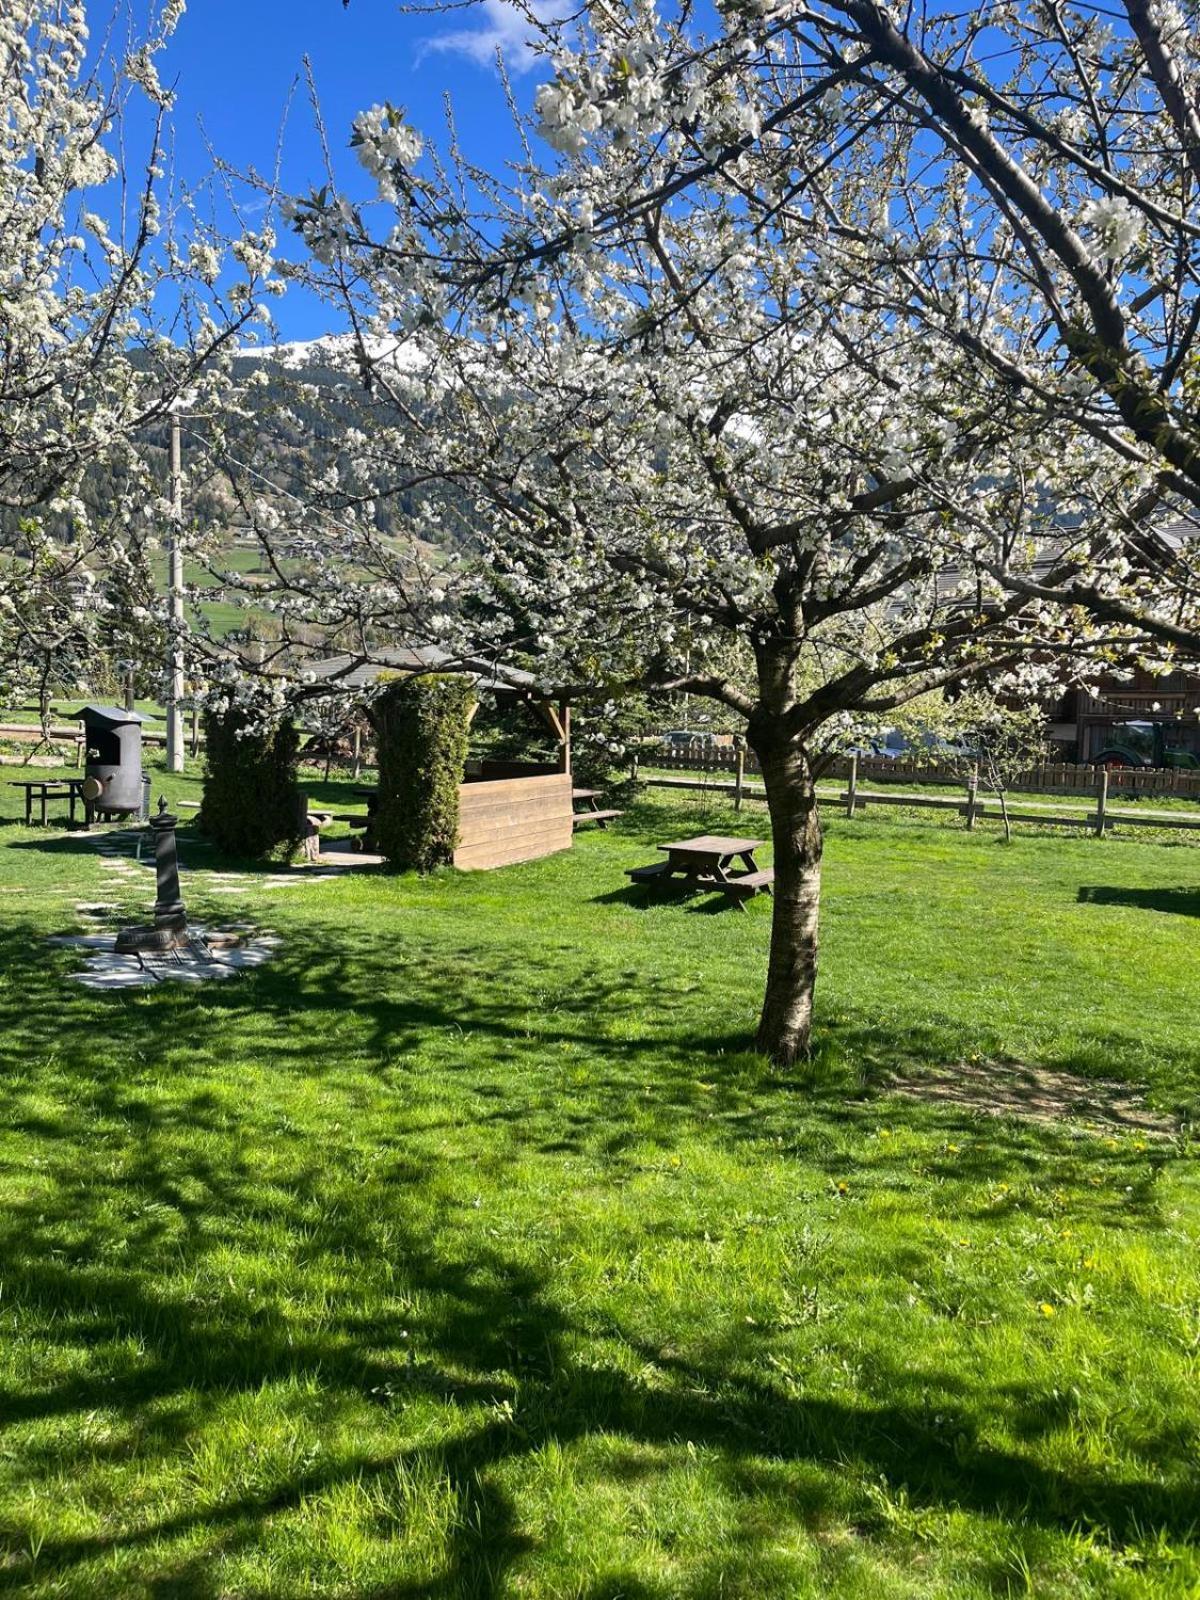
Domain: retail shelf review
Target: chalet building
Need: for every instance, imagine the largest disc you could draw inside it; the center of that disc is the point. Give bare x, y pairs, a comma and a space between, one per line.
1082, 725
1165, 708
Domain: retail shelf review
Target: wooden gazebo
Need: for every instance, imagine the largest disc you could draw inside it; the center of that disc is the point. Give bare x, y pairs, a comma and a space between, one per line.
508, 811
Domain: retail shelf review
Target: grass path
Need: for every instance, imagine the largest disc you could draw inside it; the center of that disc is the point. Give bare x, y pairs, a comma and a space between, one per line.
466, 1251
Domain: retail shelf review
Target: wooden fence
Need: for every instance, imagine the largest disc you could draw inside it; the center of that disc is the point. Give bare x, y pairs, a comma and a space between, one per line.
854, 800
973, 807
62, 733
1049, 777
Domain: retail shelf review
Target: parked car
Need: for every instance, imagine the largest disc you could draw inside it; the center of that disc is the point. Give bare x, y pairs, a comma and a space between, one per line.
892, 745
684, 738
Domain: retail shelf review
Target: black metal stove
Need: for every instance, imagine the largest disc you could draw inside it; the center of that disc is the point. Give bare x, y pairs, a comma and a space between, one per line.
113, 785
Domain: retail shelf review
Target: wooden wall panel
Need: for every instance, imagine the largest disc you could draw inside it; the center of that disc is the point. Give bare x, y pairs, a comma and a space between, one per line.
514, 819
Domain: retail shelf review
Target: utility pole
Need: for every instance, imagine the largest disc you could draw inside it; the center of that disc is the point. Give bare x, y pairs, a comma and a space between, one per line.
175, 612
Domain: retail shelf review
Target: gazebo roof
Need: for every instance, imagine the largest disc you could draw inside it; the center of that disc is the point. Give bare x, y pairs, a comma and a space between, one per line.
353, 672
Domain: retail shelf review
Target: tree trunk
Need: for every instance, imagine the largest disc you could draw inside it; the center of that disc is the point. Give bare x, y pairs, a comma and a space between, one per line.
785, 1028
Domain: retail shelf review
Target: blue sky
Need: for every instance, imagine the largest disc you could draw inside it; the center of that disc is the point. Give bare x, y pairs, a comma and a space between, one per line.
234, 63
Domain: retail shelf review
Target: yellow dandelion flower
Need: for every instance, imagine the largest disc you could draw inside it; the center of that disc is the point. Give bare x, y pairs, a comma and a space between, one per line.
1046, 1309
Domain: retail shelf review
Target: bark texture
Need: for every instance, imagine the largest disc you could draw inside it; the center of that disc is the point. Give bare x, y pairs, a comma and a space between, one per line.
785, 1027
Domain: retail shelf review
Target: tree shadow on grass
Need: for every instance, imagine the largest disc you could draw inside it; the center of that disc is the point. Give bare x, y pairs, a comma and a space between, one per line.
190, 842
91, 1258
390, 1001
646, 897
1182, 902
490, 1328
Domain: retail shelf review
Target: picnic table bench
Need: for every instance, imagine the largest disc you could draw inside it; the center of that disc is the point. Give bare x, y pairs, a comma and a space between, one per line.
705, 863
45, 789
591, 812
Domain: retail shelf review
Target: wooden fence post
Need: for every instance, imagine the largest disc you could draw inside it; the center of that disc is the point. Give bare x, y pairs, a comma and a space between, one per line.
1101, 801
739, 778
852, 787
195, 731
972, 795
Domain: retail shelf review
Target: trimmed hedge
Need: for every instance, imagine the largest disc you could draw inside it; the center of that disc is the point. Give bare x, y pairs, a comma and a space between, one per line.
252, 803
421, 735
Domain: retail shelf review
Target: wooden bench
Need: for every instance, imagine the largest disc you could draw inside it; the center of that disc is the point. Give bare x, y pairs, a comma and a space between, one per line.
647, 874
601, 818
744, 887
748, 884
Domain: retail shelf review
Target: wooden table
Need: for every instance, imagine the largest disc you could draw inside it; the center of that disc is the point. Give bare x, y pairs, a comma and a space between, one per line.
44, 789
705, 863
709, 856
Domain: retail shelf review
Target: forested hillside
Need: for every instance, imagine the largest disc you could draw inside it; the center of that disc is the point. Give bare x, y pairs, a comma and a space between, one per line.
283, 443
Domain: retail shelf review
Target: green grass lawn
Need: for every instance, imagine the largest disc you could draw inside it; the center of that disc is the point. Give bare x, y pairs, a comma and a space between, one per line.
466, 1250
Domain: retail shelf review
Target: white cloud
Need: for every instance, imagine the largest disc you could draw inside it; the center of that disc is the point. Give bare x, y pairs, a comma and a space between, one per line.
502, 26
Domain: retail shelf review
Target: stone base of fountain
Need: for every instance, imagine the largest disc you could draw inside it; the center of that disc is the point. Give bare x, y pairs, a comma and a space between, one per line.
205, 954
155, 938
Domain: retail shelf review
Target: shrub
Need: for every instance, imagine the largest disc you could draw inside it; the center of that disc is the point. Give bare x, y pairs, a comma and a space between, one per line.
421, 731
252, 805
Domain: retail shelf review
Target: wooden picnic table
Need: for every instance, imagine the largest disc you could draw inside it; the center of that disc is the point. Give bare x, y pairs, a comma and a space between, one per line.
709, 855
705, 862
44, 789
591, 812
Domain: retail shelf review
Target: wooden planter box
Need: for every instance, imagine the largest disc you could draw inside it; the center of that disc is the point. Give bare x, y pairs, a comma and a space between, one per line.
502, 820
